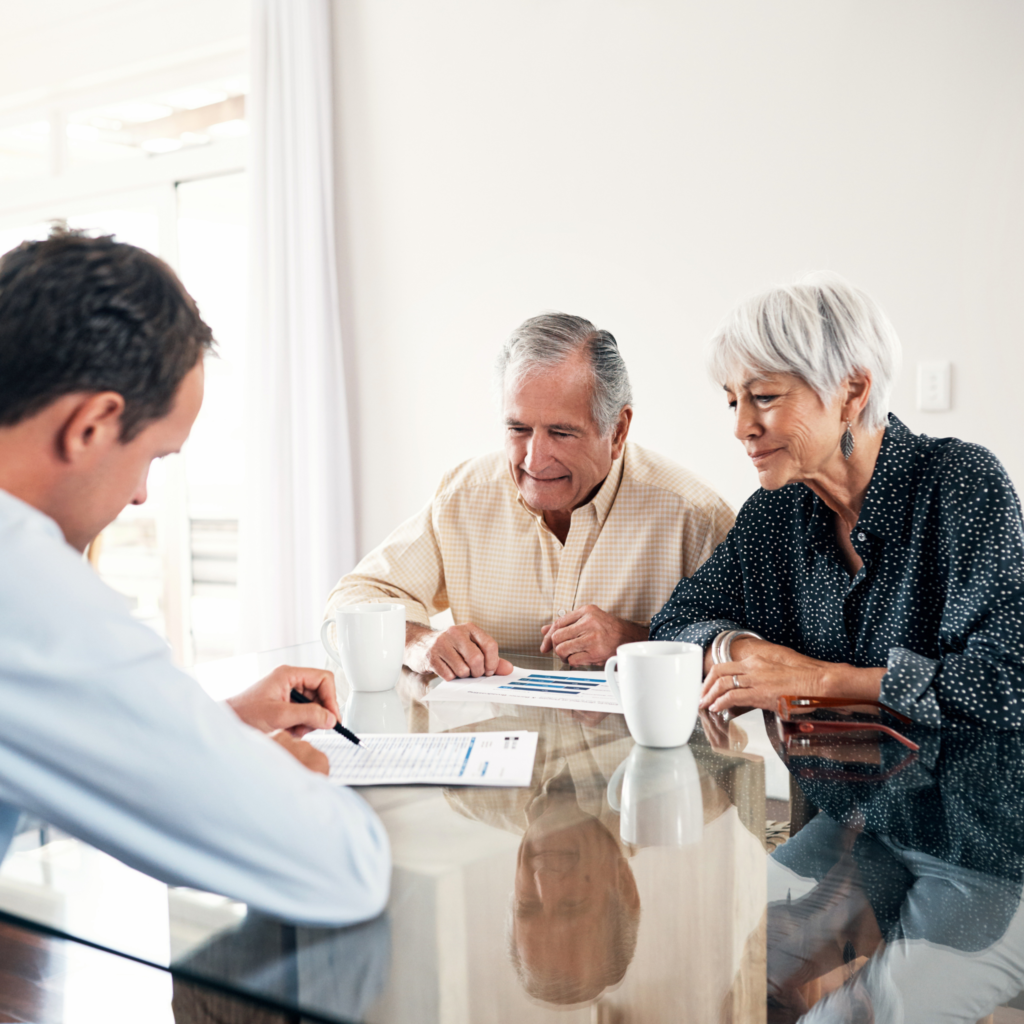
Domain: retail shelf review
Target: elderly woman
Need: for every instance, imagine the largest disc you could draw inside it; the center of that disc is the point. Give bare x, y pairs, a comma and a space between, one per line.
873, 562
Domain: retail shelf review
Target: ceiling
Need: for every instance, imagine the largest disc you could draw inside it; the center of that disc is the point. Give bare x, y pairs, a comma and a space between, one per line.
51, 47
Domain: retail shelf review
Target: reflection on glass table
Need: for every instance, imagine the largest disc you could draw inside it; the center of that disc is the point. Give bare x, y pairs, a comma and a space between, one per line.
51, 980
899, 897
633, 894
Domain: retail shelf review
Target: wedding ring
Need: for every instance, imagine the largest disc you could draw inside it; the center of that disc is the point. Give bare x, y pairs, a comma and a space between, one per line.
735, 683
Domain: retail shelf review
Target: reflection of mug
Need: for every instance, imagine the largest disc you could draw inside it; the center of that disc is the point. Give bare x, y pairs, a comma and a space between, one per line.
661, 798
371, 638
375, 712
657, 682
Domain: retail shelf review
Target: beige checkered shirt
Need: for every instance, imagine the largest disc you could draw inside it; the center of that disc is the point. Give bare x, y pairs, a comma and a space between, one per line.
480, 550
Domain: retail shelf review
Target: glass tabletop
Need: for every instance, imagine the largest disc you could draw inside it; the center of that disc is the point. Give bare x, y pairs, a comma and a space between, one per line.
623, 883
897, 896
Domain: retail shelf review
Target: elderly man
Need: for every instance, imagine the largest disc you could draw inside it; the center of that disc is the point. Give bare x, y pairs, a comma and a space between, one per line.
568, 541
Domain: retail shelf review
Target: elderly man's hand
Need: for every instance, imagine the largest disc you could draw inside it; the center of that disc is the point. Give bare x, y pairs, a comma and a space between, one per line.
453, 653
589, 636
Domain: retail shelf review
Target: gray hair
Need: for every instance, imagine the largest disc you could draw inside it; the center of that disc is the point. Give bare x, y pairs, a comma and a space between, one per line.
550, 339
820, 329
559, 989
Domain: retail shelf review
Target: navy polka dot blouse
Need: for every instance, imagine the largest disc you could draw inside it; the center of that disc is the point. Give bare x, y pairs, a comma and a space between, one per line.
939, 600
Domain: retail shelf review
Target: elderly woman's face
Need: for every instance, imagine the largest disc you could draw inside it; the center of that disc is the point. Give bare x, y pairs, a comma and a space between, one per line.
788, 433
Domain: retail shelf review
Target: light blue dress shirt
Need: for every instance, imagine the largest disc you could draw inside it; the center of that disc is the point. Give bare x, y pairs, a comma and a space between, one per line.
101, 735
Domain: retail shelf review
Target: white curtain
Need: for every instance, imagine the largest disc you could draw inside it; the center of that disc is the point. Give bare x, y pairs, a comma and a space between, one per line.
297, 532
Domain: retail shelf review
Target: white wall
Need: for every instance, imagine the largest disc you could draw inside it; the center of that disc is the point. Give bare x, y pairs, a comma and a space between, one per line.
647, 163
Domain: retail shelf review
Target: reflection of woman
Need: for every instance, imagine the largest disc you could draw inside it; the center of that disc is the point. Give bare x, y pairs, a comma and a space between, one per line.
922, 874
874, 562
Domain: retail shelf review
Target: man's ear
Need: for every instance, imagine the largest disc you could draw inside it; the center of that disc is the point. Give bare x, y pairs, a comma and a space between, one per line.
93, 426
620, 431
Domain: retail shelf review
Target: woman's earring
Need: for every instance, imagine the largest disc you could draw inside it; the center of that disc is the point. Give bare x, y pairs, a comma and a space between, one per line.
846, 442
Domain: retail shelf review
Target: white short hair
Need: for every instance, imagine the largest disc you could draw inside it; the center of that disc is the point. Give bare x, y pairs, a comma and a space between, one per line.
820, 329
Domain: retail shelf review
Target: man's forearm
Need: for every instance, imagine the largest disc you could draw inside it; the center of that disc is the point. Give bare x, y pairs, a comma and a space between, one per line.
414, 633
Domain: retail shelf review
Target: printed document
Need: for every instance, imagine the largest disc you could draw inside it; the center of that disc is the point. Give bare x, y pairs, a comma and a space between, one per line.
432, 758
581, 691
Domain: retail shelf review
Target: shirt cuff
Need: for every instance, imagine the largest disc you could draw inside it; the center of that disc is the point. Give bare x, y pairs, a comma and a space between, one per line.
907, 686
701, 633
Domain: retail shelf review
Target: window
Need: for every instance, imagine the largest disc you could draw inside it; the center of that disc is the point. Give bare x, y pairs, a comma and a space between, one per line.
165, 172
213, 266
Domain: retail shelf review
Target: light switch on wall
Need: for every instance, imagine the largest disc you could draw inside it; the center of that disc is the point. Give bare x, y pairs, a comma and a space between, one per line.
933, 392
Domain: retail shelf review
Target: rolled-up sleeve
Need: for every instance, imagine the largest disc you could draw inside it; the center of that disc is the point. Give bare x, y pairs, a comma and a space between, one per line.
407, 568
980, 674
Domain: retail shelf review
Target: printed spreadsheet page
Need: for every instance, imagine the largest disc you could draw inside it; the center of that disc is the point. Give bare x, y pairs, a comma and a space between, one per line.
580, 691
434, 758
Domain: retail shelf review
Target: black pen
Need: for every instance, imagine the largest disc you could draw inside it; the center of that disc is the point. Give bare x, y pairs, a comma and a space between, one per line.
301, 698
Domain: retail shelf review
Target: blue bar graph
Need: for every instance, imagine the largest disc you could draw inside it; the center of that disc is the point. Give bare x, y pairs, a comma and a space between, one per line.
559, 683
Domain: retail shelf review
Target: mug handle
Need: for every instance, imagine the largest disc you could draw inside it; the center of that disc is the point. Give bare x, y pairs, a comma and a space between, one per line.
610, 668
613, 787
325, 639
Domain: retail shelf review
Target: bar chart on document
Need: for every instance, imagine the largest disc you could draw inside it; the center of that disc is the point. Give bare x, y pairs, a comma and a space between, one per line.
580, 691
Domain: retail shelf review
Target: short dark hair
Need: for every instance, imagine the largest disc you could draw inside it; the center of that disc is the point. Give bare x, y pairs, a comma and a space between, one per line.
79, 313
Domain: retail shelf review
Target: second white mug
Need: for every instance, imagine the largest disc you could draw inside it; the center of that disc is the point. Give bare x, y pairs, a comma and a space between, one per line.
371, 644
381, 711
658, 683
661, 803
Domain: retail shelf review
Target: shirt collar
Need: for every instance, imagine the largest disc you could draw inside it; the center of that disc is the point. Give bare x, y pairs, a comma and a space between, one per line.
12, 508
605, 497
887, 504
602, 501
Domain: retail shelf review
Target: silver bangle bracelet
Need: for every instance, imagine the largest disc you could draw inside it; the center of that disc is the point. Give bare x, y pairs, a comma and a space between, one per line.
721, 646
716, 647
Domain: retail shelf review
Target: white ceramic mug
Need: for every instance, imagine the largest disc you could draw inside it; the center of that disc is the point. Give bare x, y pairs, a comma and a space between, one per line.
661, 804
371, 644
658, 684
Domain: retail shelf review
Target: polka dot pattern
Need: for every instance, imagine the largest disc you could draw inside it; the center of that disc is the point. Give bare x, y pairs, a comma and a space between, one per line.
939, 600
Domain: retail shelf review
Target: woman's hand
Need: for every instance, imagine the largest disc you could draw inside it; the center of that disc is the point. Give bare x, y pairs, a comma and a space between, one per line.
725, 736
764, 671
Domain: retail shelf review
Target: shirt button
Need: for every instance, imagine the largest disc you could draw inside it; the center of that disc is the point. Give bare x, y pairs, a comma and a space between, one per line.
862, 536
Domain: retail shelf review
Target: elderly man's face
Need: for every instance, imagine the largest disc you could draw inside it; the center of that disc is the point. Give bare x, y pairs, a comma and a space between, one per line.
557, 455
570, 874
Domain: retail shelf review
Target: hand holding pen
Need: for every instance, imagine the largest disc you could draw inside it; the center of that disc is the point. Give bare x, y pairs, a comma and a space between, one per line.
299, 698
288, 704
268, 704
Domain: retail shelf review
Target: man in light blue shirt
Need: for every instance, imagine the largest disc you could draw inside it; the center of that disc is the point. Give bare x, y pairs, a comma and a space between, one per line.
101, 371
